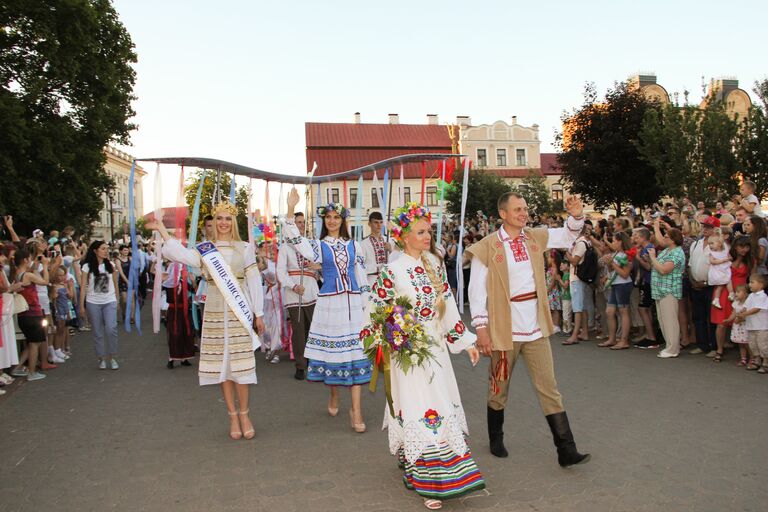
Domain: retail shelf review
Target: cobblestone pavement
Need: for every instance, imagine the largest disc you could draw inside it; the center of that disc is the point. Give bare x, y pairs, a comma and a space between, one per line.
665, 435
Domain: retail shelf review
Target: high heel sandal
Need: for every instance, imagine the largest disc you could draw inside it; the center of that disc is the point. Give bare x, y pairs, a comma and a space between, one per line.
333, 411
235, 434
357, 427
250, 433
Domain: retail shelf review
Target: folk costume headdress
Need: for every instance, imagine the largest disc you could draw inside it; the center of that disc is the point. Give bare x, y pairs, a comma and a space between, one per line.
225, 206
333, 207
404, 218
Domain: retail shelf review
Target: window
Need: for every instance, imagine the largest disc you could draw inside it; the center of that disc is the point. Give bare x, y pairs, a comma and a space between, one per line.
520, 154
407, 194
353, 198
501, 157
375, 197
431, 196
482, 158
333, 195
557, 192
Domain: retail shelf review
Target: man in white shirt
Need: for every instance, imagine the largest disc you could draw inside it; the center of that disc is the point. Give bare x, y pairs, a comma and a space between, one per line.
701, 292
510, 311
299, 281
375, 248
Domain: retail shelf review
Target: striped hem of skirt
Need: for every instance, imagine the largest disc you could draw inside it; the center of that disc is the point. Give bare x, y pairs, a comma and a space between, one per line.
441, 474
351, 373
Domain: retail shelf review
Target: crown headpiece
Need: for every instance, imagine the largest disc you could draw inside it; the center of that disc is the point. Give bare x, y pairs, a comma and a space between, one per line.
333, 207
225, 206
405, 216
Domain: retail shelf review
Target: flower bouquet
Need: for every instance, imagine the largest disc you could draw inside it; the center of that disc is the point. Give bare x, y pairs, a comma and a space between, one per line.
394, 333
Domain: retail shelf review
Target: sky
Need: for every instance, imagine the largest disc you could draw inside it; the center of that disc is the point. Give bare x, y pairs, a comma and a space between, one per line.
237, 80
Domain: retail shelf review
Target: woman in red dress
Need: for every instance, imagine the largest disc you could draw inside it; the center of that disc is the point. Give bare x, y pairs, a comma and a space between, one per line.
743, 265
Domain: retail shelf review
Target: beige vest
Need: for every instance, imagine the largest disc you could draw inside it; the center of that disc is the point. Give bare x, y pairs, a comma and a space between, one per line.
490, 250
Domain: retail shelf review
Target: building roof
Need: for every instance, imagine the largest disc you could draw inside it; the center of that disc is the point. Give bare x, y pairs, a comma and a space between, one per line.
338, 147
549, 164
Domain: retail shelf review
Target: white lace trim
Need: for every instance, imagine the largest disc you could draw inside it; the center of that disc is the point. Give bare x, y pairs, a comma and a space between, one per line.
414, 438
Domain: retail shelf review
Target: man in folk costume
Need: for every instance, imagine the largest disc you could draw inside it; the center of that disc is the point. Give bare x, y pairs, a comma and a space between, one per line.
375, 248
298, 278
510, 311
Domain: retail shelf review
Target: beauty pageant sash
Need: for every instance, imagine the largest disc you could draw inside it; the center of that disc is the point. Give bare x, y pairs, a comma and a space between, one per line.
227, 284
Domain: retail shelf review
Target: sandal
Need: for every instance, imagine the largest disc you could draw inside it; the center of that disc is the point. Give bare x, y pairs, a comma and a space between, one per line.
606, 344
235, 434
251, 432
357, 427
433, 504
763, 369
333, 411
568, 342
718, 357
742, 362
752, 366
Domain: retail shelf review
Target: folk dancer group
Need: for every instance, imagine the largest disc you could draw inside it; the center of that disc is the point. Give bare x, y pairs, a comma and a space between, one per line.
427, 426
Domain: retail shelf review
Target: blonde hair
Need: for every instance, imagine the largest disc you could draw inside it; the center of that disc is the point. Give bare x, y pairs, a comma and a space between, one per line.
694, 227
235, 229
437, 283
717, 236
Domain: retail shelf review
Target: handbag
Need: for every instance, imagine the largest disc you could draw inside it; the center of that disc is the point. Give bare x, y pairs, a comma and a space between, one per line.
20, 304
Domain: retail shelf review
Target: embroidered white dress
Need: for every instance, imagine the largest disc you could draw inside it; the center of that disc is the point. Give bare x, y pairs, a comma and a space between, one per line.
429, 429
272, 309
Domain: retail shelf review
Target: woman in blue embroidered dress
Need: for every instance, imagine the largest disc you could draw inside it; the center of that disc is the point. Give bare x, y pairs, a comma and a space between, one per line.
428, 433
334, 351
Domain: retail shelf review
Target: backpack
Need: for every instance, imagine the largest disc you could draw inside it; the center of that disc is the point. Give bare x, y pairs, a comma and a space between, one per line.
586, 271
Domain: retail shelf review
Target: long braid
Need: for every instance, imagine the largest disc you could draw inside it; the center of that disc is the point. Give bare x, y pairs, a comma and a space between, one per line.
437, 284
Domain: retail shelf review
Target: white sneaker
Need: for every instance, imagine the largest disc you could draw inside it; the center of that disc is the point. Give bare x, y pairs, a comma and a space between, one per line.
113, 364
275, 359
666, 355
103, 364
60, 354
56, 360
35, 376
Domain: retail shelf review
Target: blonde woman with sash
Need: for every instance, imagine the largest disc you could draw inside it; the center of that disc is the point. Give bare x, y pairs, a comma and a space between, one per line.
233, 310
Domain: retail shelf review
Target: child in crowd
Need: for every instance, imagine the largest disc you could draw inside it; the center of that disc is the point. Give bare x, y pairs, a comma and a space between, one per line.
719, 267
755, 319
565, 295
553, 288
739, 334
61, 297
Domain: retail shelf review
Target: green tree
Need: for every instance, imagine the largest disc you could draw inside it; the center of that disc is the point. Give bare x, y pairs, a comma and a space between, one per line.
67, 83
691, 150
598, 151
484, 190
752, 141
534, 189
206, 200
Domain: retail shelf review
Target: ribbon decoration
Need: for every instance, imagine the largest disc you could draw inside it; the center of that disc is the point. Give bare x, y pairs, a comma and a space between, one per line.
360, 198
132, 297
192, 240
382, 364
181, 278
318, 219
344, 197
376, 189
402, 185
158, 283
460, 251
232, 185
386, 198
440, 209
423, 180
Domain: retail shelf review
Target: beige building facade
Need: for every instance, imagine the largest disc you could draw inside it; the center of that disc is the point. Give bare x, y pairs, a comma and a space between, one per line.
113, 218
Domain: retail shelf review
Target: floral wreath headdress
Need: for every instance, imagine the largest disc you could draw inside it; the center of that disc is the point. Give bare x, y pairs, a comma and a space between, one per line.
225, 206
333, 207
263, 233
405, 216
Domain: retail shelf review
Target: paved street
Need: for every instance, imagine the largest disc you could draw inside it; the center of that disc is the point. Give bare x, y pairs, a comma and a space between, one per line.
673, 435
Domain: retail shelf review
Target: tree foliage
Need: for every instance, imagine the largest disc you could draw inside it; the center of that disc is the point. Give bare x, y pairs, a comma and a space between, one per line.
534, 189
752, 141
484, 189
598, 151
207, 201
67, 82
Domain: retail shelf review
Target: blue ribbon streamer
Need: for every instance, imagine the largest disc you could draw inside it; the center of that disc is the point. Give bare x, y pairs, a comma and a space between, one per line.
132, 299
192, 239
232, 190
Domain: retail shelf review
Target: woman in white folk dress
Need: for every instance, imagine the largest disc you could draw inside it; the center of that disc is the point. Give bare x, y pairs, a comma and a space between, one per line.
334, 351
428, 432
226, 345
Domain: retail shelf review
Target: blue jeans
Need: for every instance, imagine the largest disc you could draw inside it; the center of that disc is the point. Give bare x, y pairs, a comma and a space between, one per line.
103, 322
701, 300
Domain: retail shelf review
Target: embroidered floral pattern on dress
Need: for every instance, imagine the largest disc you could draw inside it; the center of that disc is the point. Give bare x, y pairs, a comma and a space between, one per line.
432, 420
454, 334
383, 289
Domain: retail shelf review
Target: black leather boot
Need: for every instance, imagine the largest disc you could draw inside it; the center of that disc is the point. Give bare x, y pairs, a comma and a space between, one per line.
567, 455
496, 432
